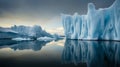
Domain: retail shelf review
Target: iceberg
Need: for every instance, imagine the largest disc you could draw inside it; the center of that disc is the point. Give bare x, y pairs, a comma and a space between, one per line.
45, 39
7, 33
21, 39
35, 31
101, 24
23, 32
27, 33
57, 36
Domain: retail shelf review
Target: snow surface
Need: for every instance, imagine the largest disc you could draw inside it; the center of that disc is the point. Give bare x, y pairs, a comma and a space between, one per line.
21, 39
45, 38
7, 30
101, 24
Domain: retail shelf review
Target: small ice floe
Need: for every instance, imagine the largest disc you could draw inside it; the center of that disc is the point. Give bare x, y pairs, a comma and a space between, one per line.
45, 38
21, 39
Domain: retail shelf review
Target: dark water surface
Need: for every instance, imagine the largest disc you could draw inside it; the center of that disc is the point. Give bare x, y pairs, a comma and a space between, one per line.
61, 53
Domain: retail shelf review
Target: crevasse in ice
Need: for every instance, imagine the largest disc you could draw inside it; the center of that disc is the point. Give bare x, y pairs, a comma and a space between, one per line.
101, 24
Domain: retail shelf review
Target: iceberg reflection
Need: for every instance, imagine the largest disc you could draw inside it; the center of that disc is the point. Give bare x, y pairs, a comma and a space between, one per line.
34, 45
93, 53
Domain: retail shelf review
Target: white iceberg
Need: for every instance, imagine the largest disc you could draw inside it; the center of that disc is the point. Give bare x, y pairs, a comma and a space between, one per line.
45, 38
32, 31
23, 32
21, 39
101, 24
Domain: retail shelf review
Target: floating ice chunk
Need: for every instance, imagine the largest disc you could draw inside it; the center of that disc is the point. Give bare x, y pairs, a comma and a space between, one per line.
45, 38
21, 39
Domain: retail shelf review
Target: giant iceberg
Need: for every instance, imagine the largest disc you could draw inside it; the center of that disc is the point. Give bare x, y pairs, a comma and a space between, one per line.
23, 32
34, 31
101, 24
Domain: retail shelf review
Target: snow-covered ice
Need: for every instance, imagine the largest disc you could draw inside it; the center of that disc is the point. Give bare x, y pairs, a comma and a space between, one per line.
34, 31
21, 39
27, 33
45, 38
101, 24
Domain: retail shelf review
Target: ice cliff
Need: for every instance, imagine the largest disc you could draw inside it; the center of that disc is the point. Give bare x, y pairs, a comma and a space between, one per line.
101, 24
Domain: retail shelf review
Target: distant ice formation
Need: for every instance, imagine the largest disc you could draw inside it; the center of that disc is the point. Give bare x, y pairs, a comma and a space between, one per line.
101, 24
21, 39
45, 39
35, 31
21, 33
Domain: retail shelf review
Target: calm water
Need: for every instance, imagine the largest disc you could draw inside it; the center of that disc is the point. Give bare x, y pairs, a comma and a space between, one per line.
61, 53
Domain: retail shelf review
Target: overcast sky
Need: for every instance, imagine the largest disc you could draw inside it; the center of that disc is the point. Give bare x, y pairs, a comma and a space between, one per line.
45, 13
